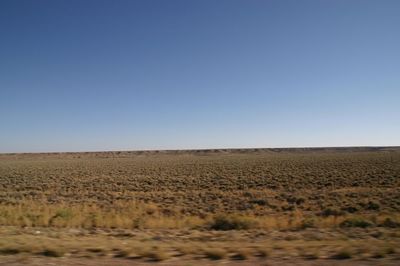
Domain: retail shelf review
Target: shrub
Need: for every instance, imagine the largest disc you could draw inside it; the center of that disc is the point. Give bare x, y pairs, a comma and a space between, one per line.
390, 223
356, 222
64, 214
261, 202
156, 255
241, 255
52, 252
378, 255
331, 212
342, 255
263, 253
122, 253
61, 216
390, 250
215, 254
9, 251
187, 249
232, 222
95, 250
311, 256
372, 206
350, 209
307, 223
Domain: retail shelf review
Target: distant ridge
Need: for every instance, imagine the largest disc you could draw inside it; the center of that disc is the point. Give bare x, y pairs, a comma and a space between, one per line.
215, 151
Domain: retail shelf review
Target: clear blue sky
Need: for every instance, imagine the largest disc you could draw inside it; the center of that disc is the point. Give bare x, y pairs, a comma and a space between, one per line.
127, 75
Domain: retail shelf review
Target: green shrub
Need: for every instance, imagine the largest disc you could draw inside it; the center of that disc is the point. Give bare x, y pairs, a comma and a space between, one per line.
232, 222
372, 206
331, 212
390, 223
261, 202
350, 209
61, 215
64, 214
356, 222
307, 223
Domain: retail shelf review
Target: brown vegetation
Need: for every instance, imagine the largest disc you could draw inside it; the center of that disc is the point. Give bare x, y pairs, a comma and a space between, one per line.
216, 190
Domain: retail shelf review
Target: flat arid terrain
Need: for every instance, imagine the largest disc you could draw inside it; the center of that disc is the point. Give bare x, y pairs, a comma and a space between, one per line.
305, 206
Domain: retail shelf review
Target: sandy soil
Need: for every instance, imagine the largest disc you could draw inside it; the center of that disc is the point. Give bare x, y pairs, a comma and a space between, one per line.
38, 261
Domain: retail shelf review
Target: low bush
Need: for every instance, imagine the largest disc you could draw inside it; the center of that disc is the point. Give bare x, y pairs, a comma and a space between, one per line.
307, 223
262, 253
9, 251
378, 255
342, 255
53, 252
356, 222
390, 223
215, 253
311, 256
241, 255
232, 222
372, 206
156, 255
331, 212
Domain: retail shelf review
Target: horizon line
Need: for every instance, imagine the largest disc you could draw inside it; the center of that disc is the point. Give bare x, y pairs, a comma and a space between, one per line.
205, 149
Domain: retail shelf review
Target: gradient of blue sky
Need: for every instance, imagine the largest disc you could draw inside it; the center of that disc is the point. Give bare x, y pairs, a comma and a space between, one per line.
120, 75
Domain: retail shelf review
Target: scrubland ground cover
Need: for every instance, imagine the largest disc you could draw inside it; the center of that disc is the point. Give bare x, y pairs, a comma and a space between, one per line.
240, 206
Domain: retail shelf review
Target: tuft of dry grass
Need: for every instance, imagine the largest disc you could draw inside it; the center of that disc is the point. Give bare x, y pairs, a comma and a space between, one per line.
187, 249
215, 253
241, 254
343, 254
148, 245
53, 252
232, 222
122, 253
156, 255
9, 250
262, 252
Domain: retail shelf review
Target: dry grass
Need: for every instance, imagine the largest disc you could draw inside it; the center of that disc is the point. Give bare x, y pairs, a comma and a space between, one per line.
215, 253
160, 245
269, 188
305, 198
